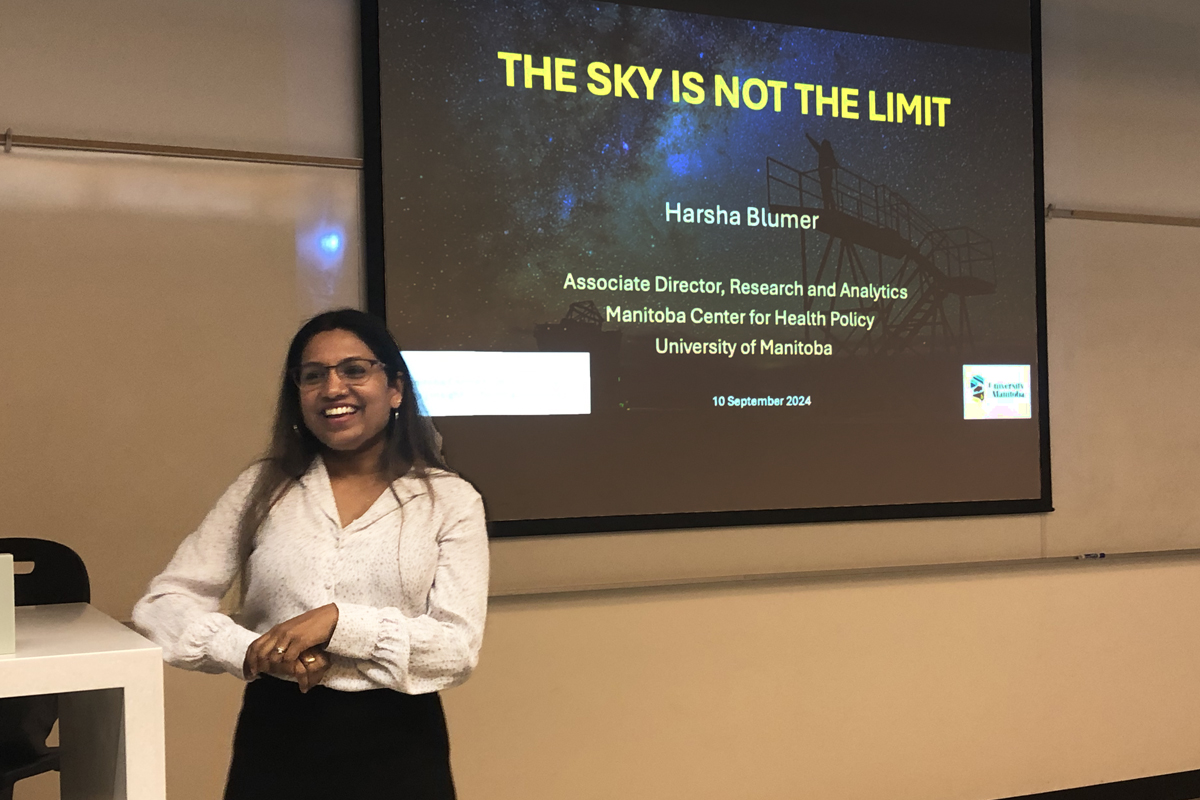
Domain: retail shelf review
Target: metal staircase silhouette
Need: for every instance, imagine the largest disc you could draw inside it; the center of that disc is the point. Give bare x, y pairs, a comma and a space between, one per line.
934, 264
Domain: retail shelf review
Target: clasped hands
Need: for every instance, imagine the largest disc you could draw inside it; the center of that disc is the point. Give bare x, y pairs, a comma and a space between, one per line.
294, 648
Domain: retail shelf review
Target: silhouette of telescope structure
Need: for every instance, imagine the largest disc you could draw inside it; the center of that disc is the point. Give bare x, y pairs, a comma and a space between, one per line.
877, 237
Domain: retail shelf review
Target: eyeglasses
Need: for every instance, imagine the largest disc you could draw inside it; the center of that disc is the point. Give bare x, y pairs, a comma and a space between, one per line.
352, 371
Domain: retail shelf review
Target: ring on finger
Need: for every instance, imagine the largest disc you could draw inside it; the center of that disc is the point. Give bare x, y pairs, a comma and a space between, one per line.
280, 650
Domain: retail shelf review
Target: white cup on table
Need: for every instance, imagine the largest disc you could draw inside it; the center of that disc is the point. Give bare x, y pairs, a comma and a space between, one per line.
8, 622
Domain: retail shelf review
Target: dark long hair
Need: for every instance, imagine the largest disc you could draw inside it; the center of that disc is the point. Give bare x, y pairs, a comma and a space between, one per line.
412, 446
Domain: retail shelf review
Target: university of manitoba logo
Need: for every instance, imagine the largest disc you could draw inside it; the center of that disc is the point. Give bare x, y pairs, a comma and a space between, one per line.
997, 391
977, 384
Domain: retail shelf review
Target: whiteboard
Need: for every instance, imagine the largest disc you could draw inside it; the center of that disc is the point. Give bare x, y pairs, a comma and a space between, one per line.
145, 305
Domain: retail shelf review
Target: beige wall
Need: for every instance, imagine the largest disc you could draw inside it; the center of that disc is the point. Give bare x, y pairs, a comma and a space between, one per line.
166, 296
973, 684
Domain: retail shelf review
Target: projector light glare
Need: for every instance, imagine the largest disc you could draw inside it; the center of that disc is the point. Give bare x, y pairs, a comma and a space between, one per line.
331, 243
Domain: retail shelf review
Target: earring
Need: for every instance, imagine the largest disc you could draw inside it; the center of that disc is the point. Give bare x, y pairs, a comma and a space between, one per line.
295, 429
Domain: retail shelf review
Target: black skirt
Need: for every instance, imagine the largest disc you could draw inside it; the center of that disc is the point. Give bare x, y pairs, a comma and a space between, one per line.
346, 745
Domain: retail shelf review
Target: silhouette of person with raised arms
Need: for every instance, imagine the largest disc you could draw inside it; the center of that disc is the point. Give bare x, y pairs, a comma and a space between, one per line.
826, 163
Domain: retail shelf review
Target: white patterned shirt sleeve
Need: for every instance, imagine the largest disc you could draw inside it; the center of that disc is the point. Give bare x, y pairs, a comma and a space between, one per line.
409, 578
179, 611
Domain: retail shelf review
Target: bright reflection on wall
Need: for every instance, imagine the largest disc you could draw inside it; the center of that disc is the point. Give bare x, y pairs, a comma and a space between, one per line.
317, 208
324, 244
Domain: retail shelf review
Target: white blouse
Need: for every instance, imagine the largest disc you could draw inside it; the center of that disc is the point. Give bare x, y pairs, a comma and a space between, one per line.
409, 579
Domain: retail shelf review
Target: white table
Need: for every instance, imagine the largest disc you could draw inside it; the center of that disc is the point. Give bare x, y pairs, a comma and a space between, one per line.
110, 685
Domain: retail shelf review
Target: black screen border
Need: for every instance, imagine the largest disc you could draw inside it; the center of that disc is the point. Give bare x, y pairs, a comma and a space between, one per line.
837, 15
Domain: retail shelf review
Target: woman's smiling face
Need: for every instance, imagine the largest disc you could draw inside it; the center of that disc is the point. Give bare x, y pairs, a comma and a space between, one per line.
347, 414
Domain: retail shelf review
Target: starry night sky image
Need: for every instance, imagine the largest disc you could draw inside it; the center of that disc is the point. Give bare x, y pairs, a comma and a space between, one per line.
492, 194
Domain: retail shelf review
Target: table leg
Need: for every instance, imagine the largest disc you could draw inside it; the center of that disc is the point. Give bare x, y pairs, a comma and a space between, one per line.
91, 736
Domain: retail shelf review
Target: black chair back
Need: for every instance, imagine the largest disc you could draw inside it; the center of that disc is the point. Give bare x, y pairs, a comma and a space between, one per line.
58, 576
